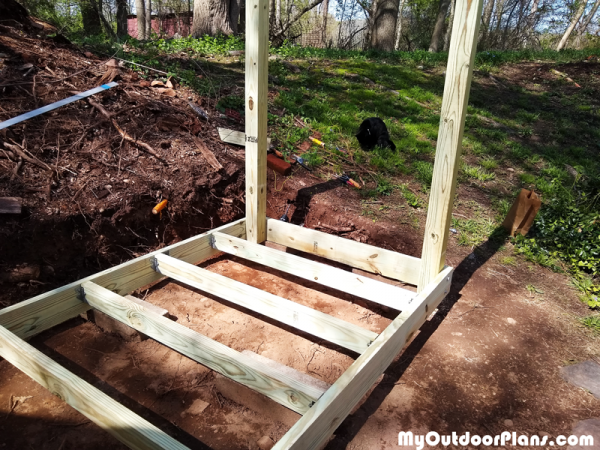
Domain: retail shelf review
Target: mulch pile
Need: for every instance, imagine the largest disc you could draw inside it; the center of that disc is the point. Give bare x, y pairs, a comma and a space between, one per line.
135, 144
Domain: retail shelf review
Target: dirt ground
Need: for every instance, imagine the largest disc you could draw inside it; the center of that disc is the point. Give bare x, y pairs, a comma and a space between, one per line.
486, 362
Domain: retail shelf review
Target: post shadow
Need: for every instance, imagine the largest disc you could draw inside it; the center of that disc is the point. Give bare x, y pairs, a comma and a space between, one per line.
351, 426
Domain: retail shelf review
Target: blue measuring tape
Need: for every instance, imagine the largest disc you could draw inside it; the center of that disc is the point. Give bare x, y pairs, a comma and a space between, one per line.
51, 106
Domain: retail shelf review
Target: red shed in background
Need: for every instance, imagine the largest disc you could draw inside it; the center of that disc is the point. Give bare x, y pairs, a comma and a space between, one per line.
166, 25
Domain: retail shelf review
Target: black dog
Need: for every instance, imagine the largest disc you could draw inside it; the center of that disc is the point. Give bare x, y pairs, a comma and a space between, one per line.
373, 132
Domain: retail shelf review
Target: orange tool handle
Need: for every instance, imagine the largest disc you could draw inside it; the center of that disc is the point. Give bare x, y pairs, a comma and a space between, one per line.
354, 183
158, 208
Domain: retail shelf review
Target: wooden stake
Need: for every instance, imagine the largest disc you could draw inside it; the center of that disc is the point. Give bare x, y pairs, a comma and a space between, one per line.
257, 47
452, 122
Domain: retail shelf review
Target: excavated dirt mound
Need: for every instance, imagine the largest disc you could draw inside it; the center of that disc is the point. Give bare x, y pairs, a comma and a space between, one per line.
87, 191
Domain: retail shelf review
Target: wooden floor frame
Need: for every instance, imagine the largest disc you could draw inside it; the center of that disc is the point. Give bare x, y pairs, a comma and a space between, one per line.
322, 410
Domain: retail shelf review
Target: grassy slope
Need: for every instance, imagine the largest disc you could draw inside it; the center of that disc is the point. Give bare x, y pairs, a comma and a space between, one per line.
520, 131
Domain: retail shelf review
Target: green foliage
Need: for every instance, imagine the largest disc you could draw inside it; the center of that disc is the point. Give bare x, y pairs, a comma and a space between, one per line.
592, 322
477, 173
231, 102
384, 186
473, 232
206, 45
565, 232
411, 198
423, 172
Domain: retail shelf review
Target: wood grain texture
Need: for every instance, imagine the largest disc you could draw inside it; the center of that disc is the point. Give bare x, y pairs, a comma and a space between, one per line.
355, 254
123, 424
285, 311
10, 205
257, 68
375, 291
234, 137
254, 374
39, 313
459, 73
318, 424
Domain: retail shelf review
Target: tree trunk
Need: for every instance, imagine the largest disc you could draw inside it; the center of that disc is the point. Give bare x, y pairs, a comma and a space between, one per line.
438, 30
212, 17
399, 25
140, 11
324, 23
148, 25
122, 19
449, 29
278, 15
90, 18
586, 21
385, 15
234, 15
574, 21
487, 18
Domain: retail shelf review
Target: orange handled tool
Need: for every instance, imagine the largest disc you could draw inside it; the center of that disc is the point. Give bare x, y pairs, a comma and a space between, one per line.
158, 208
349, 181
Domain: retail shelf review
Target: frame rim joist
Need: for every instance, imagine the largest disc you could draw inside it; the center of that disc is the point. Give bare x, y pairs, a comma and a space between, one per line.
31, 317
341, 280
354, 254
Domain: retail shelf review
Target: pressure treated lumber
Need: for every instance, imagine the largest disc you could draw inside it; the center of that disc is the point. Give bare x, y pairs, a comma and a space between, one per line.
39, 313
355, 254
256, 375
234, 137
10, 205
123, 424
382, 293
257, 68
320, 422
285, 311
459, 73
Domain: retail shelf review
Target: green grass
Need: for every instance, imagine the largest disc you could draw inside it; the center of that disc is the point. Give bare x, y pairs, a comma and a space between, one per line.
477, 173
538, 133
592, 322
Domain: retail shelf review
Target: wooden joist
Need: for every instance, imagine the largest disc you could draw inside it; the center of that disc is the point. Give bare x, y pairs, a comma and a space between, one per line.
355, 254
234, 137
257, 68
10, 205
285, 311
315, 427
382, 293
35, 315
461, 59
123, 424
287, 391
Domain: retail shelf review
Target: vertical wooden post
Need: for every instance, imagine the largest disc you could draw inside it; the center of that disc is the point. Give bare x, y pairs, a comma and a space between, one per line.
257, 51
459, 73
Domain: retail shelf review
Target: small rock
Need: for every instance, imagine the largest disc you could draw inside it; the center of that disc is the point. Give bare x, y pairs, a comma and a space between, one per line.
197, 407
265, 443
508, 423
510, 169
511, 321
588, 427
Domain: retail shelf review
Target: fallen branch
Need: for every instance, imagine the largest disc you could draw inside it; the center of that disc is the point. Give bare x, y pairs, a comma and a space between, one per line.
140, 144
33, 160
124, 134
208, 155
336, 229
